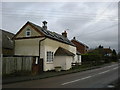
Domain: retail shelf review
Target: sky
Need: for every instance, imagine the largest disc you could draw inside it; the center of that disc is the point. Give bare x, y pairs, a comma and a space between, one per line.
92, 23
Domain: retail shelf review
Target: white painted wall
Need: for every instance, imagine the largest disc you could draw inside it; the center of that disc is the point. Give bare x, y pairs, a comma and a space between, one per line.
52, 45
79, 61
63, 61
69, 60
31, 47
28, 47
60, 61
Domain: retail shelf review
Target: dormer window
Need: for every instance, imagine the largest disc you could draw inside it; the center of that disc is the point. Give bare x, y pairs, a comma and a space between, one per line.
28, 33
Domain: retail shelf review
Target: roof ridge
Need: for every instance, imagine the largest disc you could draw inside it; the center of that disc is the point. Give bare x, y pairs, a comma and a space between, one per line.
80, 42
46, 29
7, 31
52, 35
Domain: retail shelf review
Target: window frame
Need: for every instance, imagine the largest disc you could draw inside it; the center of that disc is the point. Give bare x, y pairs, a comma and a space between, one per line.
28, 31
50, 56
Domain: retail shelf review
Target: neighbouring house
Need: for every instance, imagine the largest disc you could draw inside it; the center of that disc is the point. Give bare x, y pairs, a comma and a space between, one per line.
107, 52
101, 50
81, 47
52, 48
7, 42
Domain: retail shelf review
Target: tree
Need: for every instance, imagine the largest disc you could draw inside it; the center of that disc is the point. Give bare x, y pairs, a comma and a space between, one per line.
118, 55
114, 55
114, 52
100, 46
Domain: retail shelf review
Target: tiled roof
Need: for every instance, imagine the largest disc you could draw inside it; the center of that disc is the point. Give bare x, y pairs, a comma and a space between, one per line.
107, 50
53, 35
7, 41
79, 42
63, 52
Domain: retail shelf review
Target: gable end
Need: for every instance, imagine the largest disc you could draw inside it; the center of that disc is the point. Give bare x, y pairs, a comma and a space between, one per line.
22, 30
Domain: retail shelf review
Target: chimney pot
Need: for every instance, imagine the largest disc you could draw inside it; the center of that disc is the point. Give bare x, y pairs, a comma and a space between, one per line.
64, 34
74, 38
44, 25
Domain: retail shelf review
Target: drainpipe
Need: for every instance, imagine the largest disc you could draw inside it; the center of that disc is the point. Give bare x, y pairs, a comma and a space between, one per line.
40, 45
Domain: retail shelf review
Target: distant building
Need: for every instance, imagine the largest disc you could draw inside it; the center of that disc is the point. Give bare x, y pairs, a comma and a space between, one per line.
107, 52
81, 48
7, 43
102, 50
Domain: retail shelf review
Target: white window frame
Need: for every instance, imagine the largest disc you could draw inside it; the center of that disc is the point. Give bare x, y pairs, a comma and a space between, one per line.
50, 56
28, 31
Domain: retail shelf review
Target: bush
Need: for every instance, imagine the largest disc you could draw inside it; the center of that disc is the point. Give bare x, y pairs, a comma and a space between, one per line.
93, 59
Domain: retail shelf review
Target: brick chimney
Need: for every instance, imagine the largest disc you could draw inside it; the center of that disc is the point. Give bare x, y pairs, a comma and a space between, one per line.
44, 25
64, 34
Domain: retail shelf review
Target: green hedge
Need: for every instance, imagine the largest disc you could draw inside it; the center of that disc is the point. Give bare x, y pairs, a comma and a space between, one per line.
92, 59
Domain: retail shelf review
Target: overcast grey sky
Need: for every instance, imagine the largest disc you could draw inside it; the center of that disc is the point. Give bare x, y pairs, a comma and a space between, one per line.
92, 23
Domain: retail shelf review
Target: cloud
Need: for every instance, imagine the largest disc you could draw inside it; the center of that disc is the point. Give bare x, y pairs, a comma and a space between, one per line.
93, 23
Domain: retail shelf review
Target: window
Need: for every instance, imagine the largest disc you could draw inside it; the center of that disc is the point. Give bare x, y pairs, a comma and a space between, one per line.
28, 33
49, 56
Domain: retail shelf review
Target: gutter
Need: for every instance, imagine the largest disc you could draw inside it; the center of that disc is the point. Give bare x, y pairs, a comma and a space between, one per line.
40, 45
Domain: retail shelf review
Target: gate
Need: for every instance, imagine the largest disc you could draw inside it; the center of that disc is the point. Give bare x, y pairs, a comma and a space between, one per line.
37, 65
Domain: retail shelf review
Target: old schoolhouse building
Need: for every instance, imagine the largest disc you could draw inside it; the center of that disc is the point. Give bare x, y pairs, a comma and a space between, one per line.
52, 48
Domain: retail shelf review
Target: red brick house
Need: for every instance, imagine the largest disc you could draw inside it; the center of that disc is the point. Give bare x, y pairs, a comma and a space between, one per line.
81, 48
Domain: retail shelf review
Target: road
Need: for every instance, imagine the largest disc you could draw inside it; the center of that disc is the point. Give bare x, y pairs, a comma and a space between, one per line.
95, 78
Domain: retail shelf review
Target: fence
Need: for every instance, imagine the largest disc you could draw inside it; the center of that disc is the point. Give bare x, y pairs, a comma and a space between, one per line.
16, 63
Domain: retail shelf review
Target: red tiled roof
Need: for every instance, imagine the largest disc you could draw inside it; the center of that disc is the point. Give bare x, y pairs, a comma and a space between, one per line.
107, 50
81, 48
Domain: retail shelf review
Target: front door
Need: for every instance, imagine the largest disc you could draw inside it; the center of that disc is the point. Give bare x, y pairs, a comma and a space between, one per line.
37, 65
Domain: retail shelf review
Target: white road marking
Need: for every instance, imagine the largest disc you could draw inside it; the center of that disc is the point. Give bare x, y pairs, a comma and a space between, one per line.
107, 67
115, 68
103, 72
89, 76
112, 65
76, 80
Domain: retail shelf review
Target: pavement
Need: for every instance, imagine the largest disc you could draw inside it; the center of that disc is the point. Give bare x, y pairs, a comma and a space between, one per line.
7, 80
94, 78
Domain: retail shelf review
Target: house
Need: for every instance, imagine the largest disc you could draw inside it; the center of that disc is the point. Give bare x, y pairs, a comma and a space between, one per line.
107, 52
7, 42
81, 48
52, 48
101, 50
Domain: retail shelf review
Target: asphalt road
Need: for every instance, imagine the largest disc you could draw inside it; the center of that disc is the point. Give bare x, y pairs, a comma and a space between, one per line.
96, 78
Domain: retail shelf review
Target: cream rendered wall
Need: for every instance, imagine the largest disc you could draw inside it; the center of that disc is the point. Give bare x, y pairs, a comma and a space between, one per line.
79, 59
73, 51
52, 45
31, 47
60, 61
23, 32
28, 47
69, 60
63, 61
